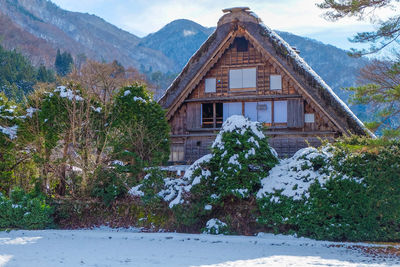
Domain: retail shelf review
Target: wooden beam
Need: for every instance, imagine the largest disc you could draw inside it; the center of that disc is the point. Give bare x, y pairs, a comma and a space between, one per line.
241, 98
242, 65
311, 133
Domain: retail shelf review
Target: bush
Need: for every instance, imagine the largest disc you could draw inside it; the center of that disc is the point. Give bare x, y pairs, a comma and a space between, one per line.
217, 184
108, 185
216, 227
222, 184
350, 193
140, 130
24, 211
152, 184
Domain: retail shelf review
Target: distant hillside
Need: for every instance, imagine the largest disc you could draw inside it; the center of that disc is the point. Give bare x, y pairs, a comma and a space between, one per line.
178, 40
38, 28
75, 32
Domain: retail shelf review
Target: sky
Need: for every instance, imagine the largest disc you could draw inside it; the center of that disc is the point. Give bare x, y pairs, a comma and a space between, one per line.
301, 17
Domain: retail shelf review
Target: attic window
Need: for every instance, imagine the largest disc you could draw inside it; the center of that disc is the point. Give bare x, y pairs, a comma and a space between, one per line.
276, 82
242, 45
210, 85
243, 79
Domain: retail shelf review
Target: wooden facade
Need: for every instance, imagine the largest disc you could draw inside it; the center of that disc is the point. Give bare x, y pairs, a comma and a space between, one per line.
241, 77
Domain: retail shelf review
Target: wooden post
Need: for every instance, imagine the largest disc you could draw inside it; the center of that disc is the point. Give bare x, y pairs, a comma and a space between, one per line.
272, 113
214, 115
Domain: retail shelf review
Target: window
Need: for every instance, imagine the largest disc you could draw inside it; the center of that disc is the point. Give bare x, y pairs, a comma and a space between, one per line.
242, 45
280, 112
211, 117
258, 111
264, 111
207, 115
219, 116
250, 110
177, 152
309, 118
276, 82
210, 85
243, 79
230, 109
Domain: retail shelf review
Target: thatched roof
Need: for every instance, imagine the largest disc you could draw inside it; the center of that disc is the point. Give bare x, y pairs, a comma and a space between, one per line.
287, 57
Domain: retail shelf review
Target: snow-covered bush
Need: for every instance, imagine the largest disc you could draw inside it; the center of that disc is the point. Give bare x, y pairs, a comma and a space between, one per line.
347, 191
215, 227
221, 182
217, 183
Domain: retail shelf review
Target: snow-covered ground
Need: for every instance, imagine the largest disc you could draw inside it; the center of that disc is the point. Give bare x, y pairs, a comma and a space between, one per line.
106, 247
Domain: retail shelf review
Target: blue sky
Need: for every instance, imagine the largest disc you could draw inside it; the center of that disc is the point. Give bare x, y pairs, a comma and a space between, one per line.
301, 17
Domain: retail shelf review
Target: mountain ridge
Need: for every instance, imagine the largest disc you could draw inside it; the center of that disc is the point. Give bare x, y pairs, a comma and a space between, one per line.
39, 27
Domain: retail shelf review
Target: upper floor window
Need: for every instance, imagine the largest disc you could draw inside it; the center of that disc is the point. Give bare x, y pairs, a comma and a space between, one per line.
243, 79
275, 82
210, 85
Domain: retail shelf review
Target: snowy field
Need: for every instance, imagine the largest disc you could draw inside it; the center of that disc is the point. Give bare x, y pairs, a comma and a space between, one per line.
105, 247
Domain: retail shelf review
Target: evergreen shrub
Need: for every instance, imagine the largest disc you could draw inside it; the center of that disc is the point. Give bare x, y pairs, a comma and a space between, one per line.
353, 193
24, 211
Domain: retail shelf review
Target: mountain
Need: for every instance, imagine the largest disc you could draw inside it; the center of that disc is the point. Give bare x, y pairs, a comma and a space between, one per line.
38, 28
77, 33
178, 40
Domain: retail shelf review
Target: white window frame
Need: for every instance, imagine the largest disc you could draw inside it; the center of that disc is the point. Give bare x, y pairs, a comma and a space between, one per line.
243, 79
210, 85
275, 82
280, 111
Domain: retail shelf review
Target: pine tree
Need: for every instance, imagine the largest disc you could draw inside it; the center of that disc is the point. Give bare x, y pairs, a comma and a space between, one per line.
381, 78
17, 75
45, 75
388, 31
63, 63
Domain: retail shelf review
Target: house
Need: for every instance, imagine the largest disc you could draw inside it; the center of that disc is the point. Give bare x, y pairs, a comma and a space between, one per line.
245, 68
